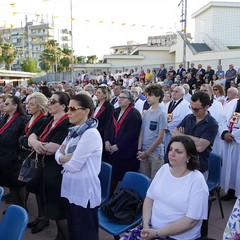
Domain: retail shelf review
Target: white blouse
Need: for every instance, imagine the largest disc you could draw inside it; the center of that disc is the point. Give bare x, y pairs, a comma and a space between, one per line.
80, 183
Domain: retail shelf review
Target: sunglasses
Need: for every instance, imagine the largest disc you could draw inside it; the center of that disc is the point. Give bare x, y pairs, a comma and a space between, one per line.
215, 89
74, 109
195, 109
52, 101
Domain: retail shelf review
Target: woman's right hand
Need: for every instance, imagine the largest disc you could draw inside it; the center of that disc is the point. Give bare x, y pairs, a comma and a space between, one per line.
108, 146
39, 147
148, 234
62, 149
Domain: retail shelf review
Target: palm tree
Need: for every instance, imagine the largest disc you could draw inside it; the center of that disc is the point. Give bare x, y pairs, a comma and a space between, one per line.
7, 55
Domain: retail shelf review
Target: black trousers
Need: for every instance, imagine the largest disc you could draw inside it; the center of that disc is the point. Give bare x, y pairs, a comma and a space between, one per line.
83, 222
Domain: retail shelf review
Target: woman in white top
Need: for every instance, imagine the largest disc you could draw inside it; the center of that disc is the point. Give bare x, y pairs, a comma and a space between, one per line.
177, 199
80, 156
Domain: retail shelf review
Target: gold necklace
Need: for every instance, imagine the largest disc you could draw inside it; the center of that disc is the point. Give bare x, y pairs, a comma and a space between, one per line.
181, 175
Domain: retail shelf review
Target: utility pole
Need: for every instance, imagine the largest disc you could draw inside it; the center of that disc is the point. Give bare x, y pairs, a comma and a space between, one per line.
72, 62
184, 28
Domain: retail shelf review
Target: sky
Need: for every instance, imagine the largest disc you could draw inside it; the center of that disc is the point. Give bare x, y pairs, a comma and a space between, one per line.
100, 24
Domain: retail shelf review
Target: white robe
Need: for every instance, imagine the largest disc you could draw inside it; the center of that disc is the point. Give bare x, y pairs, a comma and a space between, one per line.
178, 114
230, 177
216, 111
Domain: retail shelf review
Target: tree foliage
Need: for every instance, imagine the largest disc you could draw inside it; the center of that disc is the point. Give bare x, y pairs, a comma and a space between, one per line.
30, 65
7, 55
54, 57
92, 59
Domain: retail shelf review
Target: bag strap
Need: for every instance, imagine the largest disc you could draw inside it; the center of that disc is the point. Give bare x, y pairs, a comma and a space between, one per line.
28, 157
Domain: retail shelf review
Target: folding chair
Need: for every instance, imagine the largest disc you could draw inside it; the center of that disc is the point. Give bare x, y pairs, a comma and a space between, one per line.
105, 176
1, 193
13, 223
134, 181
213, 181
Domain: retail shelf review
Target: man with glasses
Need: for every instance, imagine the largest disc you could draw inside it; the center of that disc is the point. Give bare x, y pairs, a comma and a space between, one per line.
201, 127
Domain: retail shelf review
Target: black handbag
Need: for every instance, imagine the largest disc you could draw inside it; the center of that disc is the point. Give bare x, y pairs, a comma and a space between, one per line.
123, 207
29, 168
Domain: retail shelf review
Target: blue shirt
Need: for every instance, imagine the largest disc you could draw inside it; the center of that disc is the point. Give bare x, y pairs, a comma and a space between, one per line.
206, 129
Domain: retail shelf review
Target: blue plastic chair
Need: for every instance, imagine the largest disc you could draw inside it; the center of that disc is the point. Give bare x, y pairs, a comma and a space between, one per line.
214, 177
105, 176
1, 193
134, 181
13, 223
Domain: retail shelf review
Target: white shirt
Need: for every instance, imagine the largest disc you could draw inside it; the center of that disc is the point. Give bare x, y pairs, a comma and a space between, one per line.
80, 183
174, 198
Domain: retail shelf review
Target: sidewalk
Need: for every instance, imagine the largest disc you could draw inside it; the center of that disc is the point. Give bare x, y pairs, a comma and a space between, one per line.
215, 231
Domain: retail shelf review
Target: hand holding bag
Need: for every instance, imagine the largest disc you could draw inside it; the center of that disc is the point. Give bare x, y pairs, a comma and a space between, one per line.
29, 168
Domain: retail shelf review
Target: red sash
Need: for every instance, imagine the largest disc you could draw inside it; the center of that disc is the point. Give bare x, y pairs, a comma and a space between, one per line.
6, 125
118, 125
233, 120
101, 110
47, 131
27, 130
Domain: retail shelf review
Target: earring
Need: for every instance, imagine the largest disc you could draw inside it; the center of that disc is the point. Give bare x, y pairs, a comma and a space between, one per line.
187, 161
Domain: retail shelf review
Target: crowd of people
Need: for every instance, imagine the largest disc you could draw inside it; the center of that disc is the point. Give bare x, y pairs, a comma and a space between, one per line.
162, 123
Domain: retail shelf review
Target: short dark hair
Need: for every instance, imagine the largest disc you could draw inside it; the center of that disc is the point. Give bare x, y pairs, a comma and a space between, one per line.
156, 90
85, 101
64, 99
191, 150
16, 101
202, 97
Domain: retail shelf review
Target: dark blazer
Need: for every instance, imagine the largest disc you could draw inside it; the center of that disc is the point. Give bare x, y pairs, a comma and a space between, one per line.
127, 137
179, 71
162, 73
193, 71
9, 148
104, 117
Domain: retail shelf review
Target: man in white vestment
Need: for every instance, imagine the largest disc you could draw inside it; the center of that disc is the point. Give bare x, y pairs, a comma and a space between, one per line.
230, 178
177, 109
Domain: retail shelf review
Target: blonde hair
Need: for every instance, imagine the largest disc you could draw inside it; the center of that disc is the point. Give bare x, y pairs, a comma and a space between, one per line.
41, 101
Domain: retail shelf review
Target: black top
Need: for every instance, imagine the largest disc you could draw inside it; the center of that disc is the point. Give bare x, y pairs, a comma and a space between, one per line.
9, 148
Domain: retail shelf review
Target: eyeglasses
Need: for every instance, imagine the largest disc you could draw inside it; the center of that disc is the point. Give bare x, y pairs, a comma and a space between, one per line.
123, 98
215, 89
74, 109
195, 109
52, 101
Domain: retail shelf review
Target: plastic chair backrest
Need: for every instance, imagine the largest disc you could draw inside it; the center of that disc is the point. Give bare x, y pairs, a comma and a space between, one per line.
137, 182
214, 167
105, 176
1, 193
13, 223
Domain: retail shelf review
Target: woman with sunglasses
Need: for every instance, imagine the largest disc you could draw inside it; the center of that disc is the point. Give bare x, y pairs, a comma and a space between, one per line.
80, 156
45, 141
121, 137
38, 109
11, 128
219, 93
103, 112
